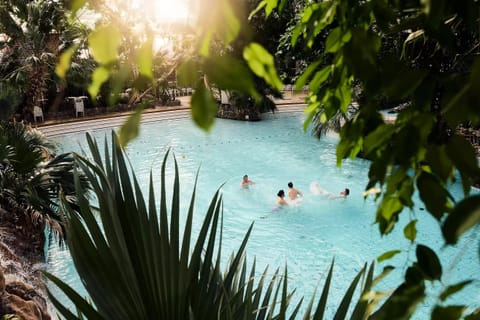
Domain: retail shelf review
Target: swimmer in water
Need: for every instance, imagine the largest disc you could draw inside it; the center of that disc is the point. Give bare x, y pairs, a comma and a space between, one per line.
342, 194
281, 198
292, 192
246, 182
317, 190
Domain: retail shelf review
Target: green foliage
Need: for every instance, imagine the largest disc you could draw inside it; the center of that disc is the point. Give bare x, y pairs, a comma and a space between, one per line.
204, 107
388, 255
230, 74
64, 62
32, 32
262, 64
463, 217
130, 128
136, 262
31, 176
10, 99
422, 55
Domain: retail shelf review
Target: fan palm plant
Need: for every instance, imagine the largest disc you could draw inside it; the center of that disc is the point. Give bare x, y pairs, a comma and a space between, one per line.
30, 178
32, 35
136, 262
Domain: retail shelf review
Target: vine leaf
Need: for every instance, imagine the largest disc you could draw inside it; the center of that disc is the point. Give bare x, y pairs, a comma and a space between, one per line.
388, 255
410, 230
429, 263
465, 215
262, 64
204, 107
130, 128
454, 289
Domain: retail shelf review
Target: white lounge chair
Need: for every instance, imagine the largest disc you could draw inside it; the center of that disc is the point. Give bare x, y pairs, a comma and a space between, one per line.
37, 113
224, 98
79, 107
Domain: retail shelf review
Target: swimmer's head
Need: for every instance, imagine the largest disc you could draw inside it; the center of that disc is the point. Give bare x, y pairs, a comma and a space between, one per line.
290, 185
346, 192
281, 194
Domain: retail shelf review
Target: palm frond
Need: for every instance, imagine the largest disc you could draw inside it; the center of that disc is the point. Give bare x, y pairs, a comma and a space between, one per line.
135, 262
141, 254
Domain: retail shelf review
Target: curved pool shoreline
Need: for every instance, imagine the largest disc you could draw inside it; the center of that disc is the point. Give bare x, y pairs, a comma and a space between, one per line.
83, 125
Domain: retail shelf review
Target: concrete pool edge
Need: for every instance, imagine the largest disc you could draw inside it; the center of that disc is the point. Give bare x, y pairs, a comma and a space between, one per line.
83, 125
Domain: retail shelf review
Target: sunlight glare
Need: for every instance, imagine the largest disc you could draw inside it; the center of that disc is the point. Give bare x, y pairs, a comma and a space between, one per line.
163, 11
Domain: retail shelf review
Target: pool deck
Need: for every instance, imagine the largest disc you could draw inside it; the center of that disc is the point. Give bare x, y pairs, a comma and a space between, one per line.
52, 128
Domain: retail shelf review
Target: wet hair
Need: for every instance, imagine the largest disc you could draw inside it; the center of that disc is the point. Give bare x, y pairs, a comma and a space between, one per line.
281, 193
290, 185
347, 191
245, 176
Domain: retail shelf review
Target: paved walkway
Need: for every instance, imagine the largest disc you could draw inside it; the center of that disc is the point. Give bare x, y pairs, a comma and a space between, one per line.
80, 125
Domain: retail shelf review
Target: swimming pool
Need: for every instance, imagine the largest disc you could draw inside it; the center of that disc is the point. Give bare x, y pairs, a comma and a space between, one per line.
307, 236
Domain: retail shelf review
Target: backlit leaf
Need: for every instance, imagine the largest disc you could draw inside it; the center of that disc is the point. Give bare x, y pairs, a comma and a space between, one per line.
99, 76
410, 230
188, 74
117, 83
229, 73
464, 215
262, 64
336, 39
130, 128
63, 64
262, 4
387, 255
378, 137
271, 4
429, 262
205, 43
204, 107
390, 207
302, 80
104, 43
320, 77
454, 289
145, 59
76, 5
230, 25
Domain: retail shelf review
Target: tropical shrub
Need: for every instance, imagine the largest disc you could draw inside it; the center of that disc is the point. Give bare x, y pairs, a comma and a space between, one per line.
136, 262
424, 53
31, 176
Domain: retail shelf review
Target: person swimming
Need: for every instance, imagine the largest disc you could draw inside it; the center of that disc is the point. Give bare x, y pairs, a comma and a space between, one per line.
281, 198
342, 194
245, 181
317, 190
292, 192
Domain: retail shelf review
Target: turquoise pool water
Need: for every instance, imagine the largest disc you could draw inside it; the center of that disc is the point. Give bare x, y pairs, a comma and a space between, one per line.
307, 236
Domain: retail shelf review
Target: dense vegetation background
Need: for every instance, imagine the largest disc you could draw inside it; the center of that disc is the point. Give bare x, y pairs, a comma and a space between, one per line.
356, 57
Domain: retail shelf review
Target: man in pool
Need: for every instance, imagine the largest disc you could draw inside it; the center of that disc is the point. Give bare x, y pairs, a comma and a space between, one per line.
292, 192
246, 182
